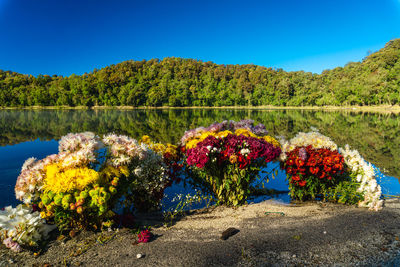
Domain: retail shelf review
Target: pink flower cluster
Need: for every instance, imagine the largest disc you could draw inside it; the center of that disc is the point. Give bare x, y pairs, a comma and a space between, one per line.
11, 244
79, 141
123, 149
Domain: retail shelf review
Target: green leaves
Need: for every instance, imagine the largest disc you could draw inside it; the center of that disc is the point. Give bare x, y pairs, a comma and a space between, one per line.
230, 185
344, 191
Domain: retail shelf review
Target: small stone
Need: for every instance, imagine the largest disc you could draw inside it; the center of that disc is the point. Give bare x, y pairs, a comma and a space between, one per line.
324, 232
139, 256
285, 254
294, 256
229, 232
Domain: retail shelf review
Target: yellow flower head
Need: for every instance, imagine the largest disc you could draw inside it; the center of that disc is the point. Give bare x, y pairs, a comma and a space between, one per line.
159, 147
172, 150
124, 170
59, 180
244, 132
43, 214
223, 134
233, 159
193, 142
272, 141
145, 139
205, 135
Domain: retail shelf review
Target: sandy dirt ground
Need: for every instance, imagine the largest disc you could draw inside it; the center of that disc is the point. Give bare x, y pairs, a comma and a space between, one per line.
267, 234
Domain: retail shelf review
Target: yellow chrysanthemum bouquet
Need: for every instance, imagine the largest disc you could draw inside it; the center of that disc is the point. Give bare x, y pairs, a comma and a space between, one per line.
89, 178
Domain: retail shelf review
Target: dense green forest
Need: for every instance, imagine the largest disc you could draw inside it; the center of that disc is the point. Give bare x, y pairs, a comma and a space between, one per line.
188, 82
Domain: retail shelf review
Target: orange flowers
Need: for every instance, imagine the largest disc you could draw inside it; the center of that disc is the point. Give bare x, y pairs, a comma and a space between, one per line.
311, 166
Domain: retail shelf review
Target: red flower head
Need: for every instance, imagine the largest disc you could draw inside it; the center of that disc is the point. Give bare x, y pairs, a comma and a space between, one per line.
290, 162
328, 161
299, 162
328, 169
314, 170
312, 161
144, 236
295, 178
302, 183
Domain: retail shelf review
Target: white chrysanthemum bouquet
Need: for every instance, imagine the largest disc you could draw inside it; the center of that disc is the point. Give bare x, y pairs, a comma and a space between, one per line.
21, 225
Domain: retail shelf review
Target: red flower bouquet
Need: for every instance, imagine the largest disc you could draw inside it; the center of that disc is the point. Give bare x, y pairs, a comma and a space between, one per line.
224, 163
312, 171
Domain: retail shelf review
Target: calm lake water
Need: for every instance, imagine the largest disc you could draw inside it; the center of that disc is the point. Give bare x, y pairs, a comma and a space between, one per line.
27, 133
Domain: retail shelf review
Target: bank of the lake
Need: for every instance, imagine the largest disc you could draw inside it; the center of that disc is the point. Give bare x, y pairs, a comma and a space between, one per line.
270, 233
378, 109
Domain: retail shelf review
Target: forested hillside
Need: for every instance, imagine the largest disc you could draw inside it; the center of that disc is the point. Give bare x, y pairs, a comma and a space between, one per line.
189, 82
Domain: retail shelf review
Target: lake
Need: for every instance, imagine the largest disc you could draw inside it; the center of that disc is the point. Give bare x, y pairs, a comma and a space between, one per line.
27, 133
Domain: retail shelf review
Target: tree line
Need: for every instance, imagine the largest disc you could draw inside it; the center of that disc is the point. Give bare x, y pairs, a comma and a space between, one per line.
188, 82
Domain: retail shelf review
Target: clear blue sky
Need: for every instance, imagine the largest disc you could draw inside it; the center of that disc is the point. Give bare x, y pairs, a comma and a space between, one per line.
75, 36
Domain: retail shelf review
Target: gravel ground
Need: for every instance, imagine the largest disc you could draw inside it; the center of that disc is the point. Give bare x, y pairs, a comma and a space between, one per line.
309, 234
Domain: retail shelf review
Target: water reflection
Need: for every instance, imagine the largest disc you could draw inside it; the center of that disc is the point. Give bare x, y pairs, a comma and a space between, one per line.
374, 135
11, 160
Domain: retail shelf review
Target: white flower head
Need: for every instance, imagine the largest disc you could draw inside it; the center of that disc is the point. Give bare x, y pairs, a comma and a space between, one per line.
365, 175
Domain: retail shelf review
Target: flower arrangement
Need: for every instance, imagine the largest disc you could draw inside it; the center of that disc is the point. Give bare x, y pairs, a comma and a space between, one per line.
226, 157
70, 191
311, 171
316, 168
148, 173
74, 150
90, 177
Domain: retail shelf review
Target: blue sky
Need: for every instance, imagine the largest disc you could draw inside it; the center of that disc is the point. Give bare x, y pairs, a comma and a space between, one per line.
75, 36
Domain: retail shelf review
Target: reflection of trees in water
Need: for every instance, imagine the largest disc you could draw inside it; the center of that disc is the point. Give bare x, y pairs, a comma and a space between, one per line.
374, 135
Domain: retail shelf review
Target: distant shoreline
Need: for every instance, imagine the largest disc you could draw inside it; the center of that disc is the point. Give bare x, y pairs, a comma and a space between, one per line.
378, 109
